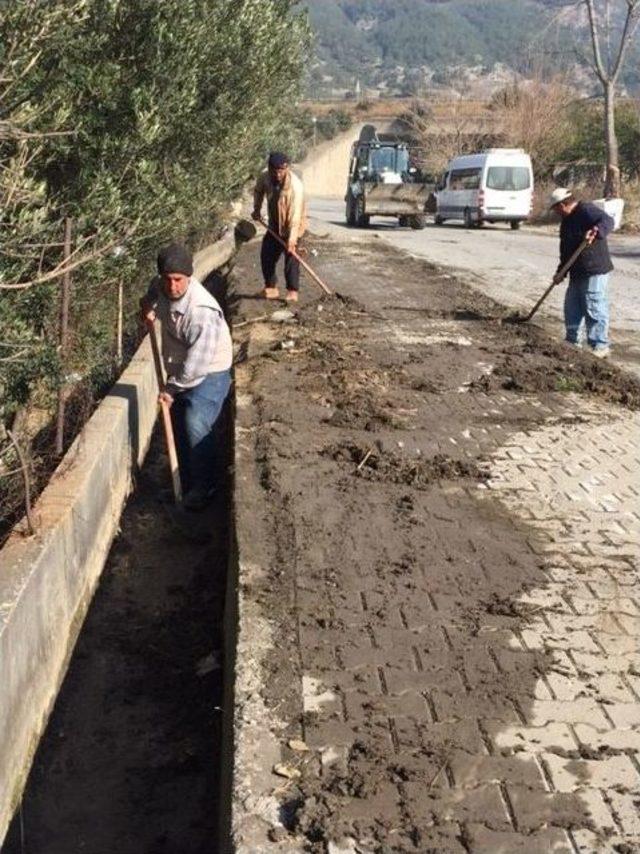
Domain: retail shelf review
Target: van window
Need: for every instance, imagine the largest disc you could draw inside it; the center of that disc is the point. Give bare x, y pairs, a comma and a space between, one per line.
465, 179
508, 178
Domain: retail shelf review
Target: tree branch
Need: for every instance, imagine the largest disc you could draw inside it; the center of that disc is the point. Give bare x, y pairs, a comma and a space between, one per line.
64, 268
595, 40
630, 26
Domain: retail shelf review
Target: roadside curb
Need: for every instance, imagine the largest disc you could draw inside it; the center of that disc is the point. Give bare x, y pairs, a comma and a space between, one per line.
253, 733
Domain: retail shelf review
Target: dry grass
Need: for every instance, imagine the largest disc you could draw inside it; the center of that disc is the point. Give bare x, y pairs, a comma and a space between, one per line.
395, 107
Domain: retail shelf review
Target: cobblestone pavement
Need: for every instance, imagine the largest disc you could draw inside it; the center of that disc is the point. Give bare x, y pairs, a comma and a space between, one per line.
578, 486
470, 674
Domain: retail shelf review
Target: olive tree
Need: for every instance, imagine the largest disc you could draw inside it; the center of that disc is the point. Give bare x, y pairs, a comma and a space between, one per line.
140, 121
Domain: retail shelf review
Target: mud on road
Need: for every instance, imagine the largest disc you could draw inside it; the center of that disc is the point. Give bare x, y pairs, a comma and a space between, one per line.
394, 583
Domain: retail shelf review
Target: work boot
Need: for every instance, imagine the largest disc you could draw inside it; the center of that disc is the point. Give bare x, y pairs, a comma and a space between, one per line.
601, 352
271, 293
292, 296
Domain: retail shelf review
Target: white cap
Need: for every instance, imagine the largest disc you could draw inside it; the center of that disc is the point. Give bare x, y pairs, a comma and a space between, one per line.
560, 194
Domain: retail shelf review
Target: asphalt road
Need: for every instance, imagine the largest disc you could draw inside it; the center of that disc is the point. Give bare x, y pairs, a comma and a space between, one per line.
513, 267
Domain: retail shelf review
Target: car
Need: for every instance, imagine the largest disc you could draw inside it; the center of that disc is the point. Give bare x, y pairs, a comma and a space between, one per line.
492, 186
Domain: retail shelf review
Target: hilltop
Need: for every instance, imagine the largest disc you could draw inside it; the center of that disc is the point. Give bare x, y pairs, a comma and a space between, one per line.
402, 46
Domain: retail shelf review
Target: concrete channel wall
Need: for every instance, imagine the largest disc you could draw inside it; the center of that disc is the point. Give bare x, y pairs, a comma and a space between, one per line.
47, 581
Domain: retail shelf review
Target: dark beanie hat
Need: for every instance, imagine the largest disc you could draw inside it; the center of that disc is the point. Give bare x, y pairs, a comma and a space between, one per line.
277, 160
175, 259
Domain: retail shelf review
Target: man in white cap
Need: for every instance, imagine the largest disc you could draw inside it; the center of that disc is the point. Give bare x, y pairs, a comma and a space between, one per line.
586, 297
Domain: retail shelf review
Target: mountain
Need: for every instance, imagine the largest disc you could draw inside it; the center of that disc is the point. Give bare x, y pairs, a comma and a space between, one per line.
402, 46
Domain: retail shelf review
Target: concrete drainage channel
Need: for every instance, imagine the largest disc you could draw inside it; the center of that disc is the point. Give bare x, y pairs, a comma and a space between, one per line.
131, 755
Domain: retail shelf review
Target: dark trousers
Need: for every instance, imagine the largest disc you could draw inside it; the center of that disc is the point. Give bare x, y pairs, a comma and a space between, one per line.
269, 257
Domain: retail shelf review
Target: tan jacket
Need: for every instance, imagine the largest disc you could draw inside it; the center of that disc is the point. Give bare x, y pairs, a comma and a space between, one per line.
292, 208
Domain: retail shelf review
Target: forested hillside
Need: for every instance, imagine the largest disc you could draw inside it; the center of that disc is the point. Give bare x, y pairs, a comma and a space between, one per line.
400, 44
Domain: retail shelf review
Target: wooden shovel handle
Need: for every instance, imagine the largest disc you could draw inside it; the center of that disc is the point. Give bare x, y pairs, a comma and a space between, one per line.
309, 270
562, 272
167, 426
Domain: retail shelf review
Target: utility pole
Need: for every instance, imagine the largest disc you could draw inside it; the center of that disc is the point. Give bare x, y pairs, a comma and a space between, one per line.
64, 337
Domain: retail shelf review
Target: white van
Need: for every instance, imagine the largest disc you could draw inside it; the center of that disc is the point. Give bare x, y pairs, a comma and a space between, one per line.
494, 186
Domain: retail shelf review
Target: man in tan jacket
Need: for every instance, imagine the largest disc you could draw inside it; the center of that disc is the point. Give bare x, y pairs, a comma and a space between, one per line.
287, 218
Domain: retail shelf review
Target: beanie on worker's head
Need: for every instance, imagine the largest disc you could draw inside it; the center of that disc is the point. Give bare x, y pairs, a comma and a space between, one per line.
278, 160
175, 259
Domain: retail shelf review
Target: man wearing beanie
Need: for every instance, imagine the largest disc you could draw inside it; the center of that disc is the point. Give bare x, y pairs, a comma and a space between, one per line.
287, 218
197, 355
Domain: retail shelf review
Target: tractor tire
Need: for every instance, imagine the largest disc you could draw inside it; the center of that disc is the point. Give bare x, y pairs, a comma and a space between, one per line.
418, 222
350, 215
362, 218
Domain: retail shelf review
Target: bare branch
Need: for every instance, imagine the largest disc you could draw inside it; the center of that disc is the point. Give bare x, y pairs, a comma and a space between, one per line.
630, 25
27, 481
595, 40
64, 268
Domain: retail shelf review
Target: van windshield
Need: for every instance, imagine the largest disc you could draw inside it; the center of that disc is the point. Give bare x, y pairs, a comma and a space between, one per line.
511, 178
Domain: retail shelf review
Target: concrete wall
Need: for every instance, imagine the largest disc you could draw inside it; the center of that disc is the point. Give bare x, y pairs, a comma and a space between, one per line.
47, 581
326, 167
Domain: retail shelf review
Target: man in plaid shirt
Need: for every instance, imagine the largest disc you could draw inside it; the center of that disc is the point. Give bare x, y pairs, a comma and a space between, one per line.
197, 355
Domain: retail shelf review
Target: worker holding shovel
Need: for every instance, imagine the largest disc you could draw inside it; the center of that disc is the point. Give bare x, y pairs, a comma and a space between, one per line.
197, 355
584, 231
287, 220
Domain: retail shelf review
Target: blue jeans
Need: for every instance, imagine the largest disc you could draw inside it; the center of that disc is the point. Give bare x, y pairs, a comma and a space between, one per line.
586, 299
196, 417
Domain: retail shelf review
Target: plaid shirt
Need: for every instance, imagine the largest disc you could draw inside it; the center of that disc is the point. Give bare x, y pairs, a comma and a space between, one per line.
195, 336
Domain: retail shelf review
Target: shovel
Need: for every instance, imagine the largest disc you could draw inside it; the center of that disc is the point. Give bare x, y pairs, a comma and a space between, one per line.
302, 262
166, 420
561, 274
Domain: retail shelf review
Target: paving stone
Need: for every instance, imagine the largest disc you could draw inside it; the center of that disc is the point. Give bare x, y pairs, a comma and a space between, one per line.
535, 809
451, 706
571, 774
316, 697
609, 739
594, 665
580, 641
579, 711
552, 737
361, 705
484, 803
626, 808
589, 842
475, 770
550, 841
445, 838
624, 715
616, 644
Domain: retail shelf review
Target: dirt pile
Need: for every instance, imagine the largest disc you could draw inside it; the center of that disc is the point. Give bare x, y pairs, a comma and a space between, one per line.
375, 465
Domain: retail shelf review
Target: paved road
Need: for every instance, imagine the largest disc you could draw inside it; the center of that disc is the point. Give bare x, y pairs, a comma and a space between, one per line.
513, 267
